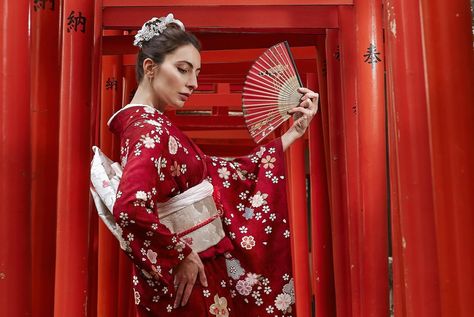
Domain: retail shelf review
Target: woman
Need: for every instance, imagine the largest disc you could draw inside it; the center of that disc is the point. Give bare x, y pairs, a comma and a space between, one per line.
232, 236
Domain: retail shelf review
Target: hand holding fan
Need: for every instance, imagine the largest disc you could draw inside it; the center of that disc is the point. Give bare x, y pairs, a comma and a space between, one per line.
270, 90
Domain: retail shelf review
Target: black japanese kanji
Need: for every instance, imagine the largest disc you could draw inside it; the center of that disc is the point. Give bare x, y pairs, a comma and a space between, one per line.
73, 22
372, 56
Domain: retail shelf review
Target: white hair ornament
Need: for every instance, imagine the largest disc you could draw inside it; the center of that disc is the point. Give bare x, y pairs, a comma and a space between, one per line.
153, 27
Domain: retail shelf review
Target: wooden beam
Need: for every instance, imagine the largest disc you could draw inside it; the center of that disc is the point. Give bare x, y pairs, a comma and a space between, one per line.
122, 44
176, 3
226, 17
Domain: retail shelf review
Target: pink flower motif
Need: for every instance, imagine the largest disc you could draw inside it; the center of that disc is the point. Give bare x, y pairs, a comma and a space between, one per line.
105, 183
175, 169
268, 161
172, 145
248, 242
243, 287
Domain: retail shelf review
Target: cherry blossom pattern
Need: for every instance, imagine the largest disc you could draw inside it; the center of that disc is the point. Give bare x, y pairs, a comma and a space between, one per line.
268, 162
219, 308
248, 242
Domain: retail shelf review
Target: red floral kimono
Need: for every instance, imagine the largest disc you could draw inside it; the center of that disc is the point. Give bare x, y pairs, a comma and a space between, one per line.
249, 270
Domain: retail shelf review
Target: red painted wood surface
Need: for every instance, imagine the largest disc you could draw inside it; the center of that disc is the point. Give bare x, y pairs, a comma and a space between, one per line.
349, 114
449, 69
15, 244
413, 238
322, 276
44, 151
111, 93
338, 186
199, 18
372, 143
72, 239
299, 225
172, 3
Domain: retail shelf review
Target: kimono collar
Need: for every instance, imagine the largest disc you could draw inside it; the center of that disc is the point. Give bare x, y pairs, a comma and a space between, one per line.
122, 118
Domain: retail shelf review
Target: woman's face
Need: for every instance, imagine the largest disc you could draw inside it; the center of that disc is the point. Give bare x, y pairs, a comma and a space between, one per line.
176, 78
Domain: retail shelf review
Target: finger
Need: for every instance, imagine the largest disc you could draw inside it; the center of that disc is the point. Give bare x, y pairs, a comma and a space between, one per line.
187, 293
202, 276
179, 294
310, 95
304, 90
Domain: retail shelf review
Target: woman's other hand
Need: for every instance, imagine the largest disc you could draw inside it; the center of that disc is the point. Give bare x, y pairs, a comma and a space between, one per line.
185, 277
305, 111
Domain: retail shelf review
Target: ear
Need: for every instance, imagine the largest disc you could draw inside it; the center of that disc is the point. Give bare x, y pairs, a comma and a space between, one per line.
149, 67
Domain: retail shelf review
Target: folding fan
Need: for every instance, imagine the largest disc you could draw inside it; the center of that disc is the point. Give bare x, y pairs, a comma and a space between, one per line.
270, 90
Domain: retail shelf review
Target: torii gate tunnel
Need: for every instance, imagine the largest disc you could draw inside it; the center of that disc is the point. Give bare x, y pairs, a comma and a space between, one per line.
381, 190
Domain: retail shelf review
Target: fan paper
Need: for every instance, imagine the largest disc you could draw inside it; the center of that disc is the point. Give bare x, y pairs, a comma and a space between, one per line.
270, 90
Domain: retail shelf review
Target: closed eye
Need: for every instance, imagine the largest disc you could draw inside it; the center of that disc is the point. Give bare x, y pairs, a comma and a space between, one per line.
182, 70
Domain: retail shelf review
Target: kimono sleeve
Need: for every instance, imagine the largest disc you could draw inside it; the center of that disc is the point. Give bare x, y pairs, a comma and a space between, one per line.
151, 245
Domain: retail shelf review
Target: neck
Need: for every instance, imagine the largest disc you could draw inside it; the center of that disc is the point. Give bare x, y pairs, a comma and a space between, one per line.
145, 96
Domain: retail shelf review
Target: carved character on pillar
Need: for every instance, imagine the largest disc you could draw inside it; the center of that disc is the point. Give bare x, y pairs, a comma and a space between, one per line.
337, 54
41, 4
111, 83
73, 22
372, 56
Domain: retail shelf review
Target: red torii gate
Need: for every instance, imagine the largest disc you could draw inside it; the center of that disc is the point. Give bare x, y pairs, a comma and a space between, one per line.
430, 147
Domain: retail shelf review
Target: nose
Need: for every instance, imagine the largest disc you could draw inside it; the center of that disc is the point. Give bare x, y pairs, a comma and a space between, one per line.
192, 82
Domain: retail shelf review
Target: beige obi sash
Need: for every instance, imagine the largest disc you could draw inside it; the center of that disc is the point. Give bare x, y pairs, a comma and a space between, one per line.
194, 217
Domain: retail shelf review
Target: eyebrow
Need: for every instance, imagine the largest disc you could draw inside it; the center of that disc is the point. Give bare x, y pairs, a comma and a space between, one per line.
190, 65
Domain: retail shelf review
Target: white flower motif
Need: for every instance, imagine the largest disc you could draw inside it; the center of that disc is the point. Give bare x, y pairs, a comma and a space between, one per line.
156, 298
269, 309
141, 195
258, 199
243, 229
271, 150
268, 174
135, 280
258, 216
223, 172
247, 242
268, 230
242, 195
148, 142
227, 221
243, 287
206, 293
240, 207
286, 234
151, 255
267, 290
223, 284
130, 237
282, 301
252, 279
169, 308
226, 184
258, 301
275, 180
272, 217
286, 277
266, 208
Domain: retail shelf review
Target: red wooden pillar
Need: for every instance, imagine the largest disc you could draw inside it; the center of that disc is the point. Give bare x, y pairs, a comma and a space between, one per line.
347, 55
323, 99
299, 226
416, 282
15, 259
71, 284
45, 76
321, 243
338, 186
126, 306
373, 180
449, 69
111, 93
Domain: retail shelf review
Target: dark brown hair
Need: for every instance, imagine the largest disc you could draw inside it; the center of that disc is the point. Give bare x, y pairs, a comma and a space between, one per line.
172, 38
